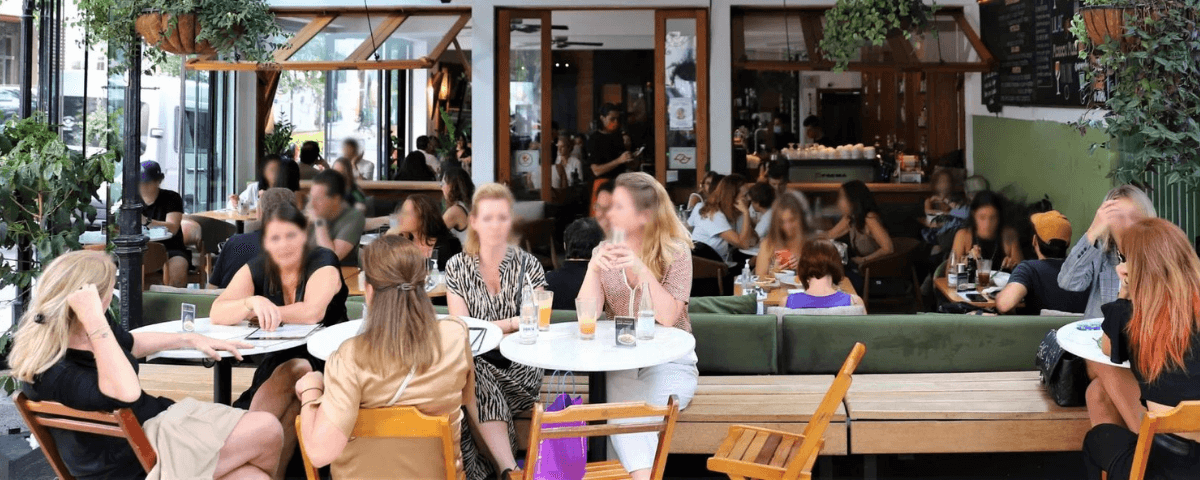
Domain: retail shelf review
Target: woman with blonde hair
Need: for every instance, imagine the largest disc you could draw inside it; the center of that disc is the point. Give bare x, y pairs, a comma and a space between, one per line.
785, 238
656, 252
404, 356
485, 281
1155, 326
66, 350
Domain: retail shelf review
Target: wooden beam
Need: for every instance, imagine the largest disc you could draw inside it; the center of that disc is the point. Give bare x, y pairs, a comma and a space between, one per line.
377, 37
268, 84
325, 10
810, 26
737, 46
301, 38
985, 55
902, 51
463, 56
781, 66
436, 53
311, 66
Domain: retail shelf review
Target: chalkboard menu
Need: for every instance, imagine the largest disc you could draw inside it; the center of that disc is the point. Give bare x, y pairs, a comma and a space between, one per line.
1037, 60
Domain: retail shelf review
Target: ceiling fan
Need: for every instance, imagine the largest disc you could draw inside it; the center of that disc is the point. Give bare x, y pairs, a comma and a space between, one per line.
518, 25
562, 42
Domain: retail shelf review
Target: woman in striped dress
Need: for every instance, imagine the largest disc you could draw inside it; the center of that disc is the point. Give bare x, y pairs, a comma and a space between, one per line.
485, 282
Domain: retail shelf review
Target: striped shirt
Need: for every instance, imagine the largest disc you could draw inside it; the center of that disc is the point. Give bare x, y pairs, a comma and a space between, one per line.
1091, 265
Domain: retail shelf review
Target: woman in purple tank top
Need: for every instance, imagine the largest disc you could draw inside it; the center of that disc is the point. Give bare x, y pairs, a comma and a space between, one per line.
820, 271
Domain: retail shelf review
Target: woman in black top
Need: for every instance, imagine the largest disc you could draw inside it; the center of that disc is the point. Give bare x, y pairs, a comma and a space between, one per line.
164, 208
1155, 325
289, 283
421, 222
986, 237
67, 351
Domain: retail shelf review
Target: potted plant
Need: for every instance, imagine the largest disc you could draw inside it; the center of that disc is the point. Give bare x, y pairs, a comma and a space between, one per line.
1152, 107
55, 187
243, 29
853, 24
279, 140
1103, 20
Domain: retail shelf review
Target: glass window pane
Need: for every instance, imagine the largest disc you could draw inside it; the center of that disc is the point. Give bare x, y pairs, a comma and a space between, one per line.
774, 37
339, 39
423, 33
525, 107
680, 65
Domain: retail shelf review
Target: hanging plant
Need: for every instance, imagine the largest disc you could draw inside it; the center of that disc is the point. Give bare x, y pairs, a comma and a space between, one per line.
853, 24
1152, 73
239, 29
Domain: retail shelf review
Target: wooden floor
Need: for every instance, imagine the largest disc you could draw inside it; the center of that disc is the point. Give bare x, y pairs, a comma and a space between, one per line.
181, 381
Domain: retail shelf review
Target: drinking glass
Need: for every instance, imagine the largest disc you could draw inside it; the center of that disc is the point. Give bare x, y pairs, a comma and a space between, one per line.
586, 310
983, 277
544, 299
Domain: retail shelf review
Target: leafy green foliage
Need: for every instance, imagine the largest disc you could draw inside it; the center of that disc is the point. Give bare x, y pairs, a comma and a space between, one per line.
45, 193
1154, 90
238, 29
853, 24
278, 140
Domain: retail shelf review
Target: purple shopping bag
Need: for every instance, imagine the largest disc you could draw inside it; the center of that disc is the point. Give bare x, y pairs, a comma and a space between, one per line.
562, 458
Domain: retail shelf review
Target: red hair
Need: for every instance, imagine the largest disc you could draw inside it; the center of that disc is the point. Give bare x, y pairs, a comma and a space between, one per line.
819, 258
1164, 287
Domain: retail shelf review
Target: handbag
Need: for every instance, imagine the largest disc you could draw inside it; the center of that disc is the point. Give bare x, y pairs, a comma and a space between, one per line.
562, 458
1064, 374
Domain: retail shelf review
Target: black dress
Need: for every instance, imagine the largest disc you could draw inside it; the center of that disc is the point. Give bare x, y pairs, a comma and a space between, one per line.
75, 382
335, 313
1109, 447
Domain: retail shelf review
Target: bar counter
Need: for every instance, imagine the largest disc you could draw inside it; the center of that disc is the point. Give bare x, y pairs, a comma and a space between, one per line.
884, 192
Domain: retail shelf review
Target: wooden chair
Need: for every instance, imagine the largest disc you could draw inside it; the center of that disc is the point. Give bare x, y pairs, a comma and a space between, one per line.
1184, 418
610, 470
213, 232
155, 260
703, 269
41, 416
539, 232
896, 265
396, 422
750, 452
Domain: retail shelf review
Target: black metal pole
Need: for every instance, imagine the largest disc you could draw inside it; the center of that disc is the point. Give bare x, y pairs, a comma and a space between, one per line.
130, 243
24, 250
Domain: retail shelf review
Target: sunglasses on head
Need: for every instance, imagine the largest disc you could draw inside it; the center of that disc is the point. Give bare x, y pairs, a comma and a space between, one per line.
1120, 256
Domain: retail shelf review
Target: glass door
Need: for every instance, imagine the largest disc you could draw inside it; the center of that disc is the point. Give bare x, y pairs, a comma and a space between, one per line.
524, 59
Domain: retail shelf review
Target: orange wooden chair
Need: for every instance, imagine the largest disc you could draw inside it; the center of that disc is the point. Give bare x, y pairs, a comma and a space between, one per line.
1184, 418
41, 416
750, 452
396, 422
612, 469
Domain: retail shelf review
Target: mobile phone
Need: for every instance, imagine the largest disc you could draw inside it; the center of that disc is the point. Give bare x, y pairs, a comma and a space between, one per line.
974, 297
639, 150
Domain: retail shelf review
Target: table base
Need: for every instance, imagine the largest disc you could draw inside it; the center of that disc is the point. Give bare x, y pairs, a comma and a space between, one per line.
223, 382
597, 393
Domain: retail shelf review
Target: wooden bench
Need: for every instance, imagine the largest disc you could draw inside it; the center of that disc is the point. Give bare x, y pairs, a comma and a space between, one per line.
959, 413
778, 402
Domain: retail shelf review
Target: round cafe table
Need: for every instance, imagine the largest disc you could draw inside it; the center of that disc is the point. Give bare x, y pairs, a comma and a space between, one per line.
95, 237
562, 349
223, 371
485, 337
1082, 338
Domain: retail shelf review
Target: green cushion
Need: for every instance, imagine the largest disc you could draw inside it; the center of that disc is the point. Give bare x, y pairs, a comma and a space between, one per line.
159, 307
732, 305
736, 344
923, 343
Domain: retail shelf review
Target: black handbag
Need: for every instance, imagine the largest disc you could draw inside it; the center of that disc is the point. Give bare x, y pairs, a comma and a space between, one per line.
1064, 374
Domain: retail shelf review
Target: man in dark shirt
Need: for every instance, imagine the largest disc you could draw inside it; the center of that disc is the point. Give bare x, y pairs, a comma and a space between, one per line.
582, 236
607, 155
815, 133
164, 209
1036, 281
243, 247
310, 160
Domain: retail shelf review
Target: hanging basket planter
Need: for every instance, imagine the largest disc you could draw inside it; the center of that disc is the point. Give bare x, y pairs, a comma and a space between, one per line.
180, 38
1104, 23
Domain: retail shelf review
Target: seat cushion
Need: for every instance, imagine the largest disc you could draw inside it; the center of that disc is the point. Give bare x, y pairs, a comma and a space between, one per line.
736, 344
731, 305
923, 343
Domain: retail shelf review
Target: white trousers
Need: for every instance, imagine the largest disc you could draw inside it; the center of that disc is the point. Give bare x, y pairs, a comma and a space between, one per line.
653, 385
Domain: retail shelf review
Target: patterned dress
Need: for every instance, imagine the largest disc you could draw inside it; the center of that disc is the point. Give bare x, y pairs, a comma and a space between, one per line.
504, 391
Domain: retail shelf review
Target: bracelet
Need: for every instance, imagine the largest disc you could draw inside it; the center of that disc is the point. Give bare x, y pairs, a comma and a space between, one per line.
319, 389
98, 330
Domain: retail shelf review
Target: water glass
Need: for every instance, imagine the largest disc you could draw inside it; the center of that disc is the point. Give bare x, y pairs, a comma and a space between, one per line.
586, 310
983, 276
545, 301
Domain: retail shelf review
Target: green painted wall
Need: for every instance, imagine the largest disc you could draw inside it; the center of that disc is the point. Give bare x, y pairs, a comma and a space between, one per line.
1033, 158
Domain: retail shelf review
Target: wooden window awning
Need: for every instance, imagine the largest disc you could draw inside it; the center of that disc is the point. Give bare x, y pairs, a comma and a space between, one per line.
788, 40
356, 39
